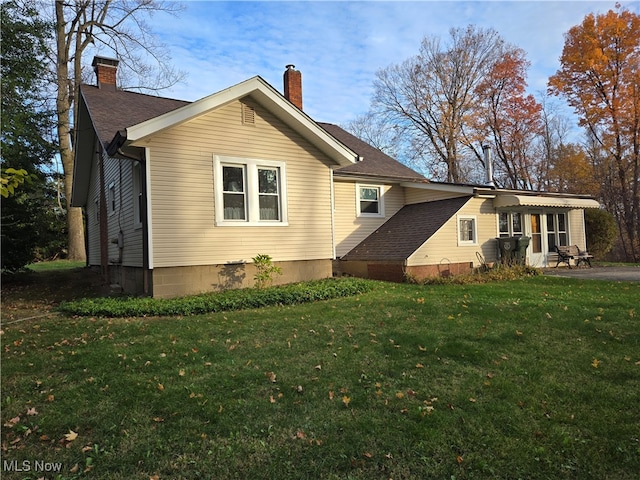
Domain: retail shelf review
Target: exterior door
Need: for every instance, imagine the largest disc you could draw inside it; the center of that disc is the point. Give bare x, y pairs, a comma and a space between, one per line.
537, 255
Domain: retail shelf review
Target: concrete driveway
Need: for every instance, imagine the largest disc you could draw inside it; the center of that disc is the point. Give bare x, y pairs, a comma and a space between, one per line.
616, 274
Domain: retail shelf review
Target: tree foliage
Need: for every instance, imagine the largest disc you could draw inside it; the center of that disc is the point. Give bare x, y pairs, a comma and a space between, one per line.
600, 78
601, 230
30, 221
511, 119
454, 97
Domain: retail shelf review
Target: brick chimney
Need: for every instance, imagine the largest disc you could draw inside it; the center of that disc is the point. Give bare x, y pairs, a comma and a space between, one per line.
106, 69
293, 85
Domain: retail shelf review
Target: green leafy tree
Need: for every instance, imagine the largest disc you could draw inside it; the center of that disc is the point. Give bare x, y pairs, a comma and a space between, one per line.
28, 216
601, 230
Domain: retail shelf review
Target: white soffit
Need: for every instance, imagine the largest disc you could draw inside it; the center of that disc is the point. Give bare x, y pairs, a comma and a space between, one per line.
540, 201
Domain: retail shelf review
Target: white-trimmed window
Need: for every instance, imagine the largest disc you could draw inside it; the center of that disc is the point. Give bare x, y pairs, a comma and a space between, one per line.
467, 230
556, 230
111, 198
510, 224
370, 202
138, 197
249, 191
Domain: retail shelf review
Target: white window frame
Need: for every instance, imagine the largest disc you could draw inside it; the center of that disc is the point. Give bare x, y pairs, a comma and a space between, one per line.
556, 232
111, 199
474, 222
510, 231
252, 196
380, 190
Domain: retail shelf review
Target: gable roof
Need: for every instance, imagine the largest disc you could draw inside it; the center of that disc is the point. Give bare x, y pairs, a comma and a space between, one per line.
122, 119
406, 231
374, 163
114, 111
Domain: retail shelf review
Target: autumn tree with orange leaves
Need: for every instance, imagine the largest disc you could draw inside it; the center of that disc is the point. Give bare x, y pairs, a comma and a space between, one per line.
600, 78
511, 119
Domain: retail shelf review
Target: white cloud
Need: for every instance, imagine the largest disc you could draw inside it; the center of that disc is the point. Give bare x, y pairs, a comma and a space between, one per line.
339, 46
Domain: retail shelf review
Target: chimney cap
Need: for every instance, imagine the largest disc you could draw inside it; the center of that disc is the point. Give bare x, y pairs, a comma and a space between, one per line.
290, 67
97, 60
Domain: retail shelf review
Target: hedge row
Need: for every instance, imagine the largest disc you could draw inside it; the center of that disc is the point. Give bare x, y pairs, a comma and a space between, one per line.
218, 302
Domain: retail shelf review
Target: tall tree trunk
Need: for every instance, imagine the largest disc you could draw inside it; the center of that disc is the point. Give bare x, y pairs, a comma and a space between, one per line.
75, 223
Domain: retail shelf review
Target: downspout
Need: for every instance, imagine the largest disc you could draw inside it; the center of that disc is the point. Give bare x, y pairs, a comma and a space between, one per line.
333, 211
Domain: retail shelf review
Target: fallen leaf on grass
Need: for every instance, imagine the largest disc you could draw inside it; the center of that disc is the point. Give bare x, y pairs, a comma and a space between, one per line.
271, 376
595, 363
346, 400
160, 387
32, 411
12, 422
331, 394
71, 436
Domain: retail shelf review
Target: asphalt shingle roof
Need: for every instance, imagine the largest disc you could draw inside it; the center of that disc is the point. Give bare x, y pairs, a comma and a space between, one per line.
406, 231
112, 111
375, 162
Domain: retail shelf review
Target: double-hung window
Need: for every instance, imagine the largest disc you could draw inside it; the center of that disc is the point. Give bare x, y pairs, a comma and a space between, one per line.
249, 191
510, 224
467, 230
556, 230
370, 201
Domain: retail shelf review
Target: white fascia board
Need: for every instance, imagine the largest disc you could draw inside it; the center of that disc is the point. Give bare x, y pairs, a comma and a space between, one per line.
264, 93
440, 187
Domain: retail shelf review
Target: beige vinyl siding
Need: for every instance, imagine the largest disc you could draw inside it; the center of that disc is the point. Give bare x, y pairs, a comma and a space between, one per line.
350, 229
577, 228
442, 248
419, 195
182, 178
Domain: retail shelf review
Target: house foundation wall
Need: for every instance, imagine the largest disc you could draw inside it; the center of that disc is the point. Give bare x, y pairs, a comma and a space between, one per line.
180, 281
129, 280
397, 271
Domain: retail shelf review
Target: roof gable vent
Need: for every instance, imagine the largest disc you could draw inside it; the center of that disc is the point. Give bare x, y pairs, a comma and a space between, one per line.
248, 115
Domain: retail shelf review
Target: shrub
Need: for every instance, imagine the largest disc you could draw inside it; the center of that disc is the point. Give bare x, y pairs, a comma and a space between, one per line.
218, 302
601, 230
265, 270
499, 273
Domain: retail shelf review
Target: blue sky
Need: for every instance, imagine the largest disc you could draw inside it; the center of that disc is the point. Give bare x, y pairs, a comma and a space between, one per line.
339, 45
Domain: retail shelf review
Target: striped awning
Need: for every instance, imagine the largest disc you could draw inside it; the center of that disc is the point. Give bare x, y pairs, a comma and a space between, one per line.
544, 201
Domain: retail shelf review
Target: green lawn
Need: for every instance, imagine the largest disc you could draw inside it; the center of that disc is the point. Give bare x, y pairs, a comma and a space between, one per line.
536, 379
